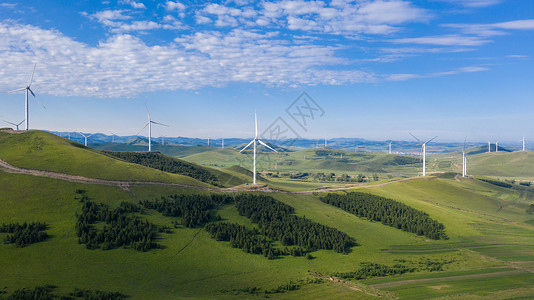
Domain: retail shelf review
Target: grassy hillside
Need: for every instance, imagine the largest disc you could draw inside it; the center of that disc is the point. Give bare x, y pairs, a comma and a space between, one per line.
490, 240
45, 151
500, 164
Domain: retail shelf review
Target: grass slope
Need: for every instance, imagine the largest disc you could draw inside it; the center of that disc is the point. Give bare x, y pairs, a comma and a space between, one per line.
191, 264
45, 151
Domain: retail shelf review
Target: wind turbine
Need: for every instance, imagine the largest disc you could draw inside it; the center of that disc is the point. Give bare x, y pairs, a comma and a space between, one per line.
325, 143
26, 104
496, 146
524, 148
255, 141
390, 147
86, 136
149, 124
489, 146
423, 145
17, 125
464, 162
222, 143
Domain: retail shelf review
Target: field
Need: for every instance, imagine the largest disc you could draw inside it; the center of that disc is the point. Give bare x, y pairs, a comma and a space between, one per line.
489, 250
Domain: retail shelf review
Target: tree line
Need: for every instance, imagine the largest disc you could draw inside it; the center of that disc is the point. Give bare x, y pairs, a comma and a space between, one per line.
167, 164
44, 292
277, 221
24, 234
389, 212
122, 228
194, 209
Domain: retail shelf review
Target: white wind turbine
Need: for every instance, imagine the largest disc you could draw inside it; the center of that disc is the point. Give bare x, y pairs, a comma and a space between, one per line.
489, 146
496, 146
26, 104
17, 125
524, 144
149, 124
390, 147
255, 141
464, 162
423, 145
86, 136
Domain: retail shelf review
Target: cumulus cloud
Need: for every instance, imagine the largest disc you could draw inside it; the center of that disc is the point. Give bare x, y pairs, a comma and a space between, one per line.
174, 6
369, 17
123, 65
134, 4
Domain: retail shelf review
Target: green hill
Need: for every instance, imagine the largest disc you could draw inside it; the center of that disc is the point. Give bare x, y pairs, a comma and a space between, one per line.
45, 151
517, 164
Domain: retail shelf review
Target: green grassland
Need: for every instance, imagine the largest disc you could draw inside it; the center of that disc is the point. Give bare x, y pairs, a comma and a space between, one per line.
44, 151
489, 250
480, 239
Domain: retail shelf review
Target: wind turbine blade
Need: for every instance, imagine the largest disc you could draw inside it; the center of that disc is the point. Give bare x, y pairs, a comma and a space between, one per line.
12, 123
17, 90
268, 146
148, 114
82, 134
21, 122
247, 146
430, 140
31, 79
91, 135
256, 123
416, 138
153, 122
143, 128
465, 140
36, 98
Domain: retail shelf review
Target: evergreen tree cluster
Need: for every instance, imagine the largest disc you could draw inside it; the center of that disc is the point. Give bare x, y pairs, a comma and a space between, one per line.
243, 238
370, 269
97, 294
25, 234
167, 164
399, 160
497, 182
194, 209
38, 292
122, 229
389, 212
277, 221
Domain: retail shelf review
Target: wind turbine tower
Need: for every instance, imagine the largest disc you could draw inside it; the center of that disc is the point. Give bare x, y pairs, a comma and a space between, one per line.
149, 124
390, 147
86, 136
464, 162
423, 145
524, 148
255, 141
496, 146
222, 143
26, 104
489, 146
16, 125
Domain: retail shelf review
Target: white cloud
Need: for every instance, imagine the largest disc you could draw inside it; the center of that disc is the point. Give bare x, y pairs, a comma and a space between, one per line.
174, 5
474, 3
134, 4
518, 24
404, 77
444, 40
123, 65
110, 17
368, 17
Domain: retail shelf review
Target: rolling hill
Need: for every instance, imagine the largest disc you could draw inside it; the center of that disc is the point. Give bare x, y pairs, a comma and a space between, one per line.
44, 151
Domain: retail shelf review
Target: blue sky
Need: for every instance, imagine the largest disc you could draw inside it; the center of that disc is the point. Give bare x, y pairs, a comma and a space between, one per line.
378, 69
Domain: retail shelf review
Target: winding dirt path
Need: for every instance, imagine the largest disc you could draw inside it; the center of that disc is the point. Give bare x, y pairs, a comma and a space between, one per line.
125, 184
